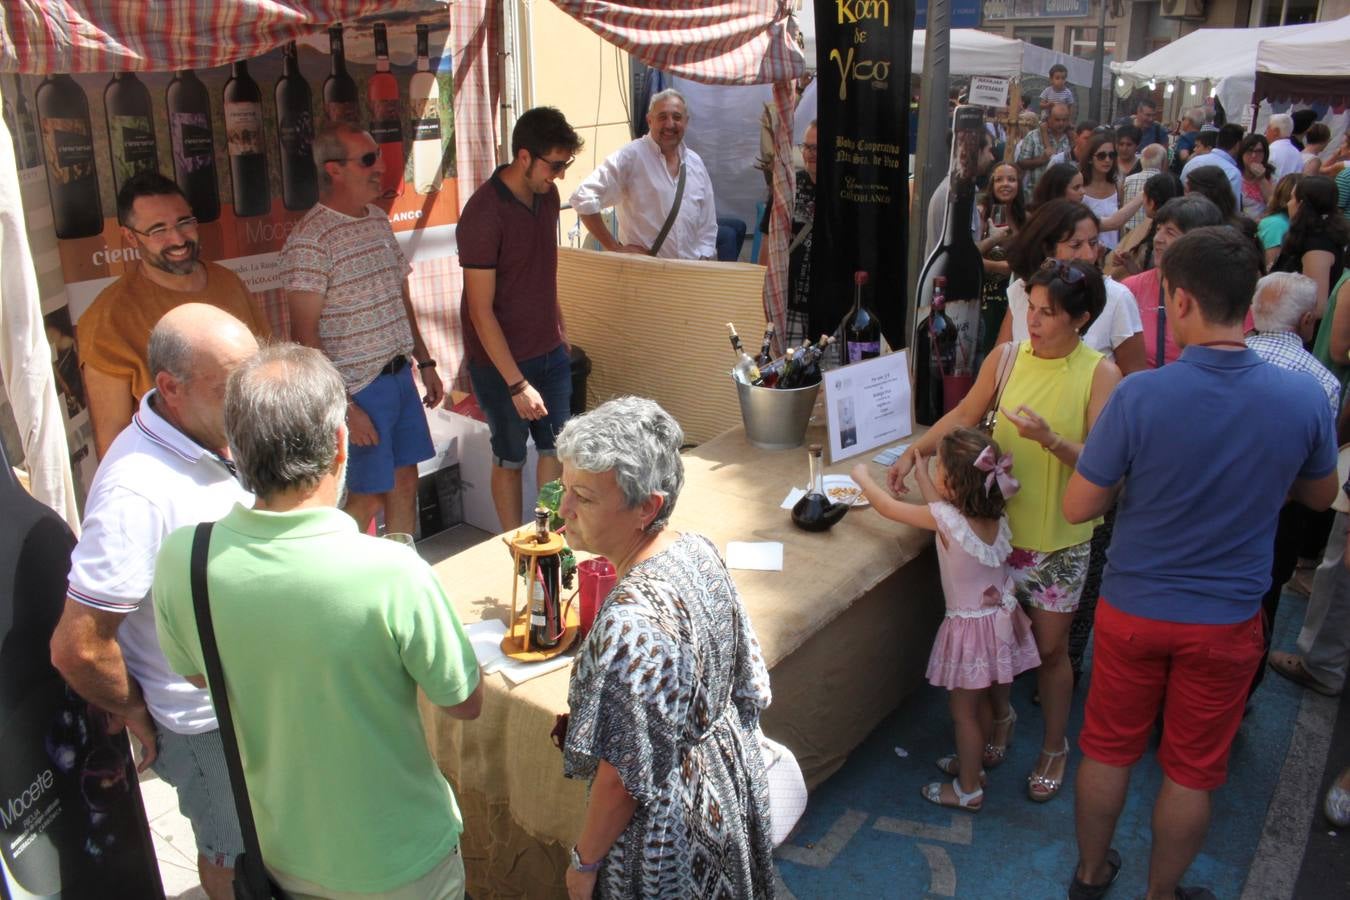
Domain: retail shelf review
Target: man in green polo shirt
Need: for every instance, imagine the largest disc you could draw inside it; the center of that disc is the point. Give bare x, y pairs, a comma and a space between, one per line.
325, 635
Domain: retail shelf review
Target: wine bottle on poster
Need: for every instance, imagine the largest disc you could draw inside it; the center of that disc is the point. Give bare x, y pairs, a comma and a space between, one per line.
68, 142
956, 259
28, 145
194, 144
340, 97
12, 123
386, 119
246, 142
131, 128
424, 101
295, 134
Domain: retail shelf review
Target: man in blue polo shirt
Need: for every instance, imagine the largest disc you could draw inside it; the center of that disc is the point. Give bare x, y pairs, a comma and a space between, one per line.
1200, 455
519, 363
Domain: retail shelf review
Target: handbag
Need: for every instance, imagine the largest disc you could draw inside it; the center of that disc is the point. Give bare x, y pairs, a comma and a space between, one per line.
251, 881
1005, 367
787, 788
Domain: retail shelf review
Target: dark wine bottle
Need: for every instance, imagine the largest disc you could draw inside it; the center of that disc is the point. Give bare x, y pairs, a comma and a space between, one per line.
194, 144
12, 123
766, 347
295, 134
131, 128
941, 330
27, 144
68, 140
340, 97
386, 120
247, 143
815, 511
545, 594
862, 329
955, 258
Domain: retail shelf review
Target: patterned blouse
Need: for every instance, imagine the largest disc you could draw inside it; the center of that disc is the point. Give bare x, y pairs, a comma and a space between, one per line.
668, 688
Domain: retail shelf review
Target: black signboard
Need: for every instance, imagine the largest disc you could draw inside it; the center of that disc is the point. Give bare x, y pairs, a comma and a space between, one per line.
862, 192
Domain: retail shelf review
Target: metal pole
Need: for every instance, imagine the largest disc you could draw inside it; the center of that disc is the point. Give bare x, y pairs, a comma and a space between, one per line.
1098, 64
930, 162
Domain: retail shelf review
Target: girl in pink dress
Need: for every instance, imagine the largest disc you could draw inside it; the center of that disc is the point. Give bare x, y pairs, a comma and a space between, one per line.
985, 639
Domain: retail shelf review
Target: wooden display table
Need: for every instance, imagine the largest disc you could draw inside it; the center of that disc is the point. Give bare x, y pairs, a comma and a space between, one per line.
845, 629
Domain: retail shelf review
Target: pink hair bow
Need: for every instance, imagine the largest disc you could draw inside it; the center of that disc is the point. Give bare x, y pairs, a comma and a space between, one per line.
999, 469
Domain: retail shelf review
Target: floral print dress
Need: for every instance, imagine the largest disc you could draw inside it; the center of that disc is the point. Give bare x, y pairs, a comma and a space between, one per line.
668, 688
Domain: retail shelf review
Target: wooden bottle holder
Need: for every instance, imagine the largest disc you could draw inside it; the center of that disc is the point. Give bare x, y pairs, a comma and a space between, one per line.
516, 642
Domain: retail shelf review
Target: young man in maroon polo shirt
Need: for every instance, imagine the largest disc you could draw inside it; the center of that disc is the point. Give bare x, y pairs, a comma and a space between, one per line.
513, 333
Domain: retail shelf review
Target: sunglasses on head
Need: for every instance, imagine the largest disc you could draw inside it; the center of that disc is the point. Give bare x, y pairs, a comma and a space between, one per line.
1063, 271
1104, 154
365, 160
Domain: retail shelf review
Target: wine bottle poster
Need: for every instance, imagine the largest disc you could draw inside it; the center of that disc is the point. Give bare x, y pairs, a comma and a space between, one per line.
238, 140
868, 405
862, 198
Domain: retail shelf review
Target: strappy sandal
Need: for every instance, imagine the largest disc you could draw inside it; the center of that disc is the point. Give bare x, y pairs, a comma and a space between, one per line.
951, 765
1040, 787
969, 802
995, 754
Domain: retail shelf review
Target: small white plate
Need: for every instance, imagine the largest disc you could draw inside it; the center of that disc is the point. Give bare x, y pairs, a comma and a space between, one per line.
839, 487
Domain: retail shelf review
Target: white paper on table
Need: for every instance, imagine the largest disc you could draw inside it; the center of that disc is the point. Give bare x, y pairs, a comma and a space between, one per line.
486, 639
793, 496
764, 556
890, 455
516, 672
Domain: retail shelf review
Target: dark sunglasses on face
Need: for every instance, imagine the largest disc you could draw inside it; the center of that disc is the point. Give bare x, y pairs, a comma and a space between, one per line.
1104, 154
366, 160
557, 166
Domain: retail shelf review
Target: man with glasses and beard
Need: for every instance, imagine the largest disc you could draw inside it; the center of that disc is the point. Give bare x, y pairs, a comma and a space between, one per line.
346, 284
114, 332
659, 189
519, 362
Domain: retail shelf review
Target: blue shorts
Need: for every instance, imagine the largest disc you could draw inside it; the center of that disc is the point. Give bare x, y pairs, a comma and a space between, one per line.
194, 765
393, 404
551, 375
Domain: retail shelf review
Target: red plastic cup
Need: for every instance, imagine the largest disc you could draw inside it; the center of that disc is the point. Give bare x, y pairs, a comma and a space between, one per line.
597, 577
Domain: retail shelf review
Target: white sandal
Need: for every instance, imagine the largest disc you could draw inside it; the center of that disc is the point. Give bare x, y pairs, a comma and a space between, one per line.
971, 802
995, 754
1041, 787
951, 765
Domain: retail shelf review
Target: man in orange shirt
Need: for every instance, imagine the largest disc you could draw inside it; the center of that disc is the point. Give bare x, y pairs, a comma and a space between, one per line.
114, 332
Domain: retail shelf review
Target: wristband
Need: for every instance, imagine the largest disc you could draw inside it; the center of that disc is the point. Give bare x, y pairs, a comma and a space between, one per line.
428, 364
519, 387
1059, 439
575, 859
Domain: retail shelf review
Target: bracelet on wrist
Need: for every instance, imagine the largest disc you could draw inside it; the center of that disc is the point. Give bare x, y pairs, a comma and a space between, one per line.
519, 387
1055, 444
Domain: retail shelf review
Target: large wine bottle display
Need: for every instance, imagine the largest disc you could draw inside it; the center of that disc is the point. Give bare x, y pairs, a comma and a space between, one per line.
68, 144
247, 146
339, 88
131, 128
386, 118
424, 98
957, 260
194, 146
20, 120
295, 134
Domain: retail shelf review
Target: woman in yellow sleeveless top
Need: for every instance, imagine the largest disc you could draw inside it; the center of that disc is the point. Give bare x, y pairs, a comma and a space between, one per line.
1051, 398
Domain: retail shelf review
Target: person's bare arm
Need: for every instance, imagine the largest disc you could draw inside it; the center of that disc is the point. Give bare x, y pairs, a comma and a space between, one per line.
431, 380
480, 288
1005, 329
1131, 355
1033, 427
1118, 218
1317, 266
595, 224
608, 812
85, 651
111, 406
1085, 501
1340, 327
468, 708
305, 308
914, 514
1316, 494
1271, 255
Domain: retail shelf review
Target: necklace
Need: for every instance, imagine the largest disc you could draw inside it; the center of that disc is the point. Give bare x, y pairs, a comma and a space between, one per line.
1222, 344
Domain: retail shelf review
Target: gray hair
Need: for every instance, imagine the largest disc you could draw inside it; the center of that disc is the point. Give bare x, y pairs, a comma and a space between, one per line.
1281, 122
283, 409
1281, 300
1196, 116
667, 94
328, 147
171, 351
639, 441
1153, 156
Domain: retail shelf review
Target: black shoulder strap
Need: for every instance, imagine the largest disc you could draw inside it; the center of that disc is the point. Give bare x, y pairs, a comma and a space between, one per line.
1162, 325
215, 677
670, 219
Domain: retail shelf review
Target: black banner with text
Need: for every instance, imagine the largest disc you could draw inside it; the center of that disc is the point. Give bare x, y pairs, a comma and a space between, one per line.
862, 189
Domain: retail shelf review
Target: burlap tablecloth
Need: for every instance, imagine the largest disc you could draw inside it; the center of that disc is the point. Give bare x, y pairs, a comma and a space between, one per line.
845, 629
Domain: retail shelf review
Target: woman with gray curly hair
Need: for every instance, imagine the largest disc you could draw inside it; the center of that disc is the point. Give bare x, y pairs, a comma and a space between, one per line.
667, 690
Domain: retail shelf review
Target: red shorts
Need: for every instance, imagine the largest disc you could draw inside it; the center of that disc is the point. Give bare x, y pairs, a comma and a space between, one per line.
1197, 674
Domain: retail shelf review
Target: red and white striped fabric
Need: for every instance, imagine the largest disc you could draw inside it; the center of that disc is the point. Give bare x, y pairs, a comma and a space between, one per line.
726, 42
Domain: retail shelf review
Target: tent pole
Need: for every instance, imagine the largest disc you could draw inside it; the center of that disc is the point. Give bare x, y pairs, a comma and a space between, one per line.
930, 162
1098, 64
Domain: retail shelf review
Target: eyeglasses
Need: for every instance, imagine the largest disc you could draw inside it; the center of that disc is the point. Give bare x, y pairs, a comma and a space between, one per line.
1063, 271
810, 148
556, 166
365, 160
182, 225
1104, 155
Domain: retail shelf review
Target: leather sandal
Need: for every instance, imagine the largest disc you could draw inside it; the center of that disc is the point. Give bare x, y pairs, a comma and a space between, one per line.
995, 754
1290, 665
1041, 787
951, 765
969, 802
1081, 890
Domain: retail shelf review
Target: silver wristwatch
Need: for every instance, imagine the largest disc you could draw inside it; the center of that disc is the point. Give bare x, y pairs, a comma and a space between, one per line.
581, 866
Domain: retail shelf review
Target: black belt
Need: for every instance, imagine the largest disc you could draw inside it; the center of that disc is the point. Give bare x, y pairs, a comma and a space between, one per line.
395, 365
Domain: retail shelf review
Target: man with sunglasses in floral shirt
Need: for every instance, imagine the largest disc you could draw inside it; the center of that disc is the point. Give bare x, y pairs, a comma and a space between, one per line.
519, 362
346, 284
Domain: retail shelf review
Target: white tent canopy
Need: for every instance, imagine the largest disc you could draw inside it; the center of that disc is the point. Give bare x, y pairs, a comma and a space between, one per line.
980, 53
1325, 51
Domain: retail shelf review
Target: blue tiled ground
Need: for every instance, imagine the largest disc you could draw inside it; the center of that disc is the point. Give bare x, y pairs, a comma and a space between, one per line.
867, 833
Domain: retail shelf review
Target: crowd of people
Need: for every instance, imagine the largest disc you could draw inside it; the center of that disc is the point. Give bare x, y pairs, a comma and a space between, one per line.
1075, 469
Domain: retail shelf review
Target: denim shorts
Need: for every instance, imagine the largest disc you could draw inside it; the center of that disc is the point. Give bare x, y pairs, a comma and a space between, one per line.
395, 408
194, 765
551, 375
